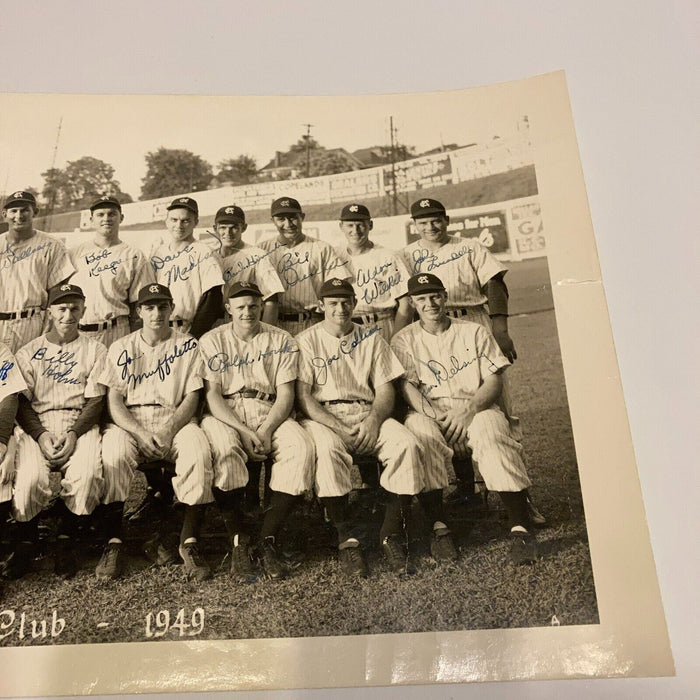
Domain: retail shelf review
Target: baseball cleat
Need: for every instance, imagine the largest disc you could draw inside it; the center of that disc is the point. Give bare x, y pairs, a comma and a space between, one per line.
352, 560
523, 548
396, 556
442, 547
161, 550
242, 568
111, 564
152, 507
65, 566
536, 518
195, 566
269, 559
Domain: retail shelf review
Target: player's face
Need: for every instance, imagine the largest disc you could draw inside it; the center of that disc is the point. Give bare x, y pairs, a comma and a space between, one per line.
245, 310
66, 314
155, 315
433, 228
338, 310
289, 226
430, 306
230, 234
180, 223
106, 220
19, 218
356, 232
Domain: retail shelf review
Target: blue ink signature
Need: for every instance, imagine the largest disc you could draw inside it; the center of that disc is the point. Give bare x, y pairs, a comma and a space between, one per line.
291, 276
180, 272
58, 367
222, 362
421, 256
162, 368
346, 347
13, 258
4, 370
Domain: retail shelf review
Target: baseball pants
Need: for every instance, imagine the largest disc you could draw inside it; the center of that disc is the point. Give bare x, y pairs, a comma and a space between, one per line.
9, 462
292, 449
107, 336
190, 452
494, 450
396, 449
17, 332
81, 482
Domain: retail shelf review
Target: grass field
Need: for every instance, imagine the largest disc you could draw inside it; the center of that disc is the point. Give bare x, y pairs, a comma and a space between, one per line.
481, 590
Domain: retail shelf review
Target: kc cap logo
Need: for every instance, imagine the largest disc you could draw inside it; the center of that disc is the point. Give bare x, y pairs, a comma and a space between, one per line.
184, 200
229, 210
284, 203
424, 203
154, 288
336, 282
424, 283
18, 195
353, 208
105, 198
65, 288
423, 280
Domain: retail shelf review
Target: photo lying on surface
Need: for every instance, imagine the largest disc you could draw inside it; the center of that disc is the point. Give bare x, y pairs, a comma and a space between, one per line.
281, 373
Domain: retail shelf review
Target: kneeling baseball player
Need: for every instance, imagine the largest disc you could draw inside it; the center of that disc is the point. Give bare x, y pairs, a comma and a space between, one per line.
59, 415
154, 381
250, 369
453, 383
345, 389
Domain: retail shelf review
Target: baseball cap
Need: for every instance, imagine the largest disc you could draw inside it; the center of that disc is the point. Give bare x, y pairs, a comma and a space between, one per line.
231, 214
285, 205
20, 197
154, 292
355, 212
185, 203
335, 287
424, 283
427, 207
104, 202
63, 291
243, 289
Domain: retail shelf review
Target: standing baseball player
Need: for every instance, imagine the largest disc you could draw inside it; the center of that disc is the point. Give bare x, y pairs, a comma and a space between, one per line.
452, 385
303, 265
378, 274
190, 269
153, 376
31, 262
345, 389
243, 262
59, 414
111, 272
250, 369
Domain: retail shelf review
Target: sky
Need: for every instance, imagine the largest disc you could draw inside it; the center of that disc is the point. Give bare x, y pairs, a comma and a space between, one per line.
122, 129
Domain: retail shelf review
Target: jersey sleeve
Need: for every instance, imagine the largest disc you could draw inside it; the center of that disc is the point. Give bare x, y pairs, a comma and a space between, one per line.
27, 370
60, 266
399, 344
401, 288
143, 275
210, 271
11, 379
305, 371
194, 370
491, 359
385, 365
208, 348
111, 375
267, 279
94, 387
288, 368
333, 265
485, 264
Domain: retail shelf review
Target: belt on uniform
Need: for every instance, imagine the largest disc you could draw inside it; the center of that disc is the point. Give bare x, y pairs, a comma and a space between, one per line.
372, 318
101, 325
335, 402
27, 313
459, 311
301, 316
252, 394
177, 322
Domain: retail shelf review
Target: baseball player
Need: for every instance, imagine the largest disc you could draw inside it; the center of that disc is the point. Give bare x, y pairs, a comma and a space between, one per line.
153, 377
59, 415
31, 262
345, 389
303, 265
378, 275
250, 369
452, 385
190, 269
243, 262
111, 272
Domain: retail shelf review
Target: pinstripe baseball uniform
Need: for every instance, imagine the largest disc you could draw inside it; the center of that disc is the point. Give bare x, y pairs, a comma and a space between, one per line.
28, 269
262, 364
154, 381
379, 278
59, 379
252, 264
346, 370
448, 369
464, 266
11, 382
302, 269
189, 271
111, 278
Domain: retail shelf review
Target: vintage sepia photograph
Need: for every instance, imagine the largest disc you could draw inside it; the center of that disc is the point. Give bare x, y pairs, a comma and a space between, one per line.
297, 381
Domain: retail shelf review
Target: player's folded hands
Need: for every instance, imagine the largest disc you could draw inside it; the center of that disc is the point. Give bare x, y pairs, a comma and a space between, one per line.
253, 445
65, 450
455, 424
367, 435
149, 446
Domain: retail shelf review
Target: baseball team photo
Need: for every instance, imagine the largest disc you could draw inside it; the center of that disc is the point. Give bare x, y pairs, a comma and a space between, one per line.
280, 367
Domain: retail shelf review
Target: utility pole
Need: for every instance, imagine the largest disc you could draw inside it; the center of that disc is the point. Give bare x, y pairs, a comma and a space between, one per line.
307, 138
52, 201
394, 193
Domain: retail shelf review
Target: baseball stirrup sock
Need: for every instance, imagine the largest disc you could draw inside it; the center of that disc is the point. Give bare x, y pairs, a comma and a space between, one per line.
431, 501
516, 506
230, 505
194, 515
281, 505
